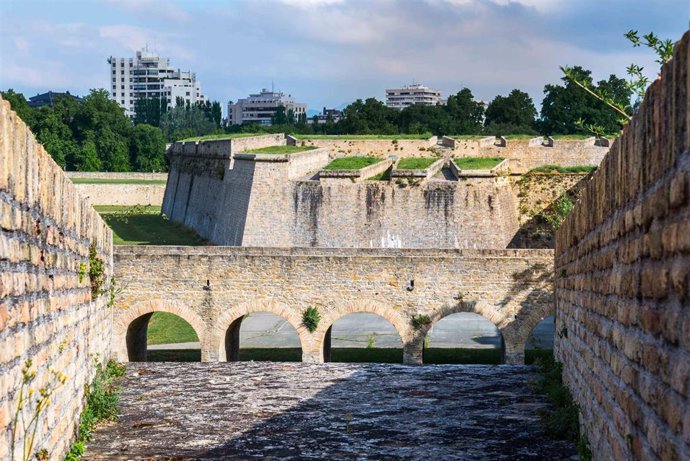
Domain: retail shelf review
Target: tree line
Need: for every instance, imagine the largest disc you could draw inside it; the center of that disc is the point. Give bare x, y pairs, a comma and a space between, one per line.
96, 135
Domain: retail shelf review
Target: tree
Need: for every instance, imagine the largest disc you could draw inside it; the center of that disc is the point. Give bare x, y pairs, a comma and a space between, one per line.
566, 107
147, 148
514, 113
465, 114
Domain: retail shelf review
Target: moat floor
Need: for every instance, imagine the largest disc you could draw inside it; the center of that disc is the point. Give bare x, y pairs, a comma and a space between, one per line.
252, 410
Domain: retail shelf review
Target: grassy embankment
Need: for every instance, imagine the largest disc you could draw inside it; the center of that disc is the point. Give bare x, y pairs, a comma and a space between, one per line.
415, 163
147, 182
145, 225
352, 163
477, 163
280, 150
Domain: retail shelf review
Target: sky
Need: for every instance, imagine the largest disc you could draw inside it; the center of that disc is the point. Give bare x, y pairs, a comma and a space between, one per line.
331, 52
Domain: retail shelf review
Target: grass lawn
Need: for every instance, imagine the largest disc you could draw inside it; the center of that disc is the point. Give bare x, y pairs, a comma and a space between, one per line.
357, 355
218, 137
280, 150
141, 225
555, 169
165, 328
354, 137
415, 163
477, 163
351, 163
149, 182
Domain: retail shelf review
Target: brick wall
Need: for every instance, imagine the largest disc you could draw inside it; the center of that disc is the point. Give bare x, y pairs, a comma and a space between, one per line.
46, 312
622, 286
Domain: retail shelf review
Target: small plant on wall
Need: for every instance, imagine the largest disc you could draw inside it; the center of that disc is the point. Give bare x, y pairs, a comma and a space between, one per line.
311, 318
420, 321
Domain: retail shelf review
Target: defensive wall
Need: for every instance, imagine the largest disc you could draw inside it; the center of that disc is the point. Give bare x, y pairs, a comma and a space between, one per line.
46, 309
401, 148
623, 286
121, 193
525, 154
212, 288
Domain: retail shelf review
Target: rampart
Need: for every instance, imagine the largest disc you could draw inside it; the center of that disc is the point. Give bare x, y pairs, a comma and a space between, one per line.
46, 309
623, 286
375, 147
250, 200
525, 154
212, 288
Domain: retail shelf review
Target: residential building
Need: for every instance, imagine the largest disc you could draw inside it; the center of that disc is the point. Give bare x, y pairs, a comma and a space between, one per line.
149, 75
48, 99
333, 115
400, 98
261, 108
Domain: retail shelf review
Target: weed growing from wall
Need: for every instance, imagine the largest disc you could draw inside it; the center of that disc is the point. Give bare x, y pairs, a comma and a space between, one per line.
102, 398
311, 319
30, 406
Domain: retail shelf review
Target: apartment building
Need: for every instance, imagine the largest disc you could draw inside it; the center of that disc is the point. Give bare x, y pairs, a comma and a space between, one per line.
400, 98
261, 108
149, 75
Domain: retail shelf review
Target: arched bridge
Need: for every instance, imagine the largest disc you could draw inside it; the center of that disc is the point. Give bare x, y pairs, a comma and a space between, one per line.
213, 288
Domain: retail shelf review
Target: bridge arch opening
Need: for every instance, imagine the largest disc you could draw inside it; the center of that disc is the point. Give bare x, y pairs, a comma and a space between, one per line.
464, 338
262, 336
540, 341
363, 337
162, 337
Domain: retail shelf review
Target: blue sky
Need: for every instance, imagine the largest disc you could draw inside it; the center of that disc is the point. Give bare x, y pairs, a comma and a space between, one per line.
327, 52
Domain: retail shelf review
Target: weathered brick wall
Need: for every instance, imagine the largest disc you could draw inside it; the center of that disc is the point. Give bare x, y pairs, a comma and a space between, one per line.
46, 312
211, 287
622, 283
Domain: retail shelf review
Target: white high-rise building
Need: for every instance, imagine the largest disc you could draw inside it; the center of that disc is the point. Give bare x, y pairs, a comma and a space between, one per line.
261, 108
400, 98
149, 75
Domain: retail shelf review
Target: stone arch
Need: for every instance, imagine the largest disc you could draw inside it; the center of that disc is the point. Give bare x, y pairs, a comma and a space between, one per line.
322, 333
229, 317
125, 317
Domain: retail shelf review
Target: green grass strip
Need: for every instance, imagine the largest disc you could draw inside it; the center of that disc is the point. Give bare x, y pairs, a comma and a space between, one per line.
280, 150
418, 163
148, 182
477, 163
556, 169
352, 163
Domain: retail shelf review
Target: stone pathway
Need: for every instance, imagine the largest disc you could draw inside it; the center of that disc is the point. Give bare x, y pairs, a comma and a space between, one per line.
254, 410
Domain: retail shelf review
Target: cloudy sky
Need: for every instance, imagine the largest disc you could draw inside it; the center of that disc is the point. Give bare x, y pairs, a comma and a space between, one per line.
328, 52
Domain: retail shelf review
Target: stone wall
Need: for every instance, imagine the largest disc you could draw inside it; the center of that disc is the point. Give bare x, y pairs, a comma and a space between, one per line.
46, 312
623, 286
255, 203
213, 287
123, 194
524, 155
376, 147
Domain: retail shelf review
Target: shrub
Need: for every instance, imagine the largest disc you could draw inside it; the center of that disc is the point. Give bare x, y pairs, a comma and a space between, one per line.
311, 318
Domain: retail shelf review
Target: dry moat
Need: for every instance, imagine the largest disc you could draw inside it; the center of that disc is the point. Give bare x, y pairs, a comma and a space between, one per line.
254, 410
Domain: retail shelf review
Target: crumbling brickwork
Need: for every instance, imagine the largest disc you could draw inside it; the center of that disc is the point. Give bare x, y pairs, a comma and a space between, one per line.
622, 283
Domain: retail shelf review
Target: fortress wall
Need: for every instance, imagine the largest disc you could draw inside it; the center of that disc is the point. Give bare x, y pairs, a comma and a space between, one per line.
108, 175
46, 312
376, 147
123, 194
524, 157
623, 283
